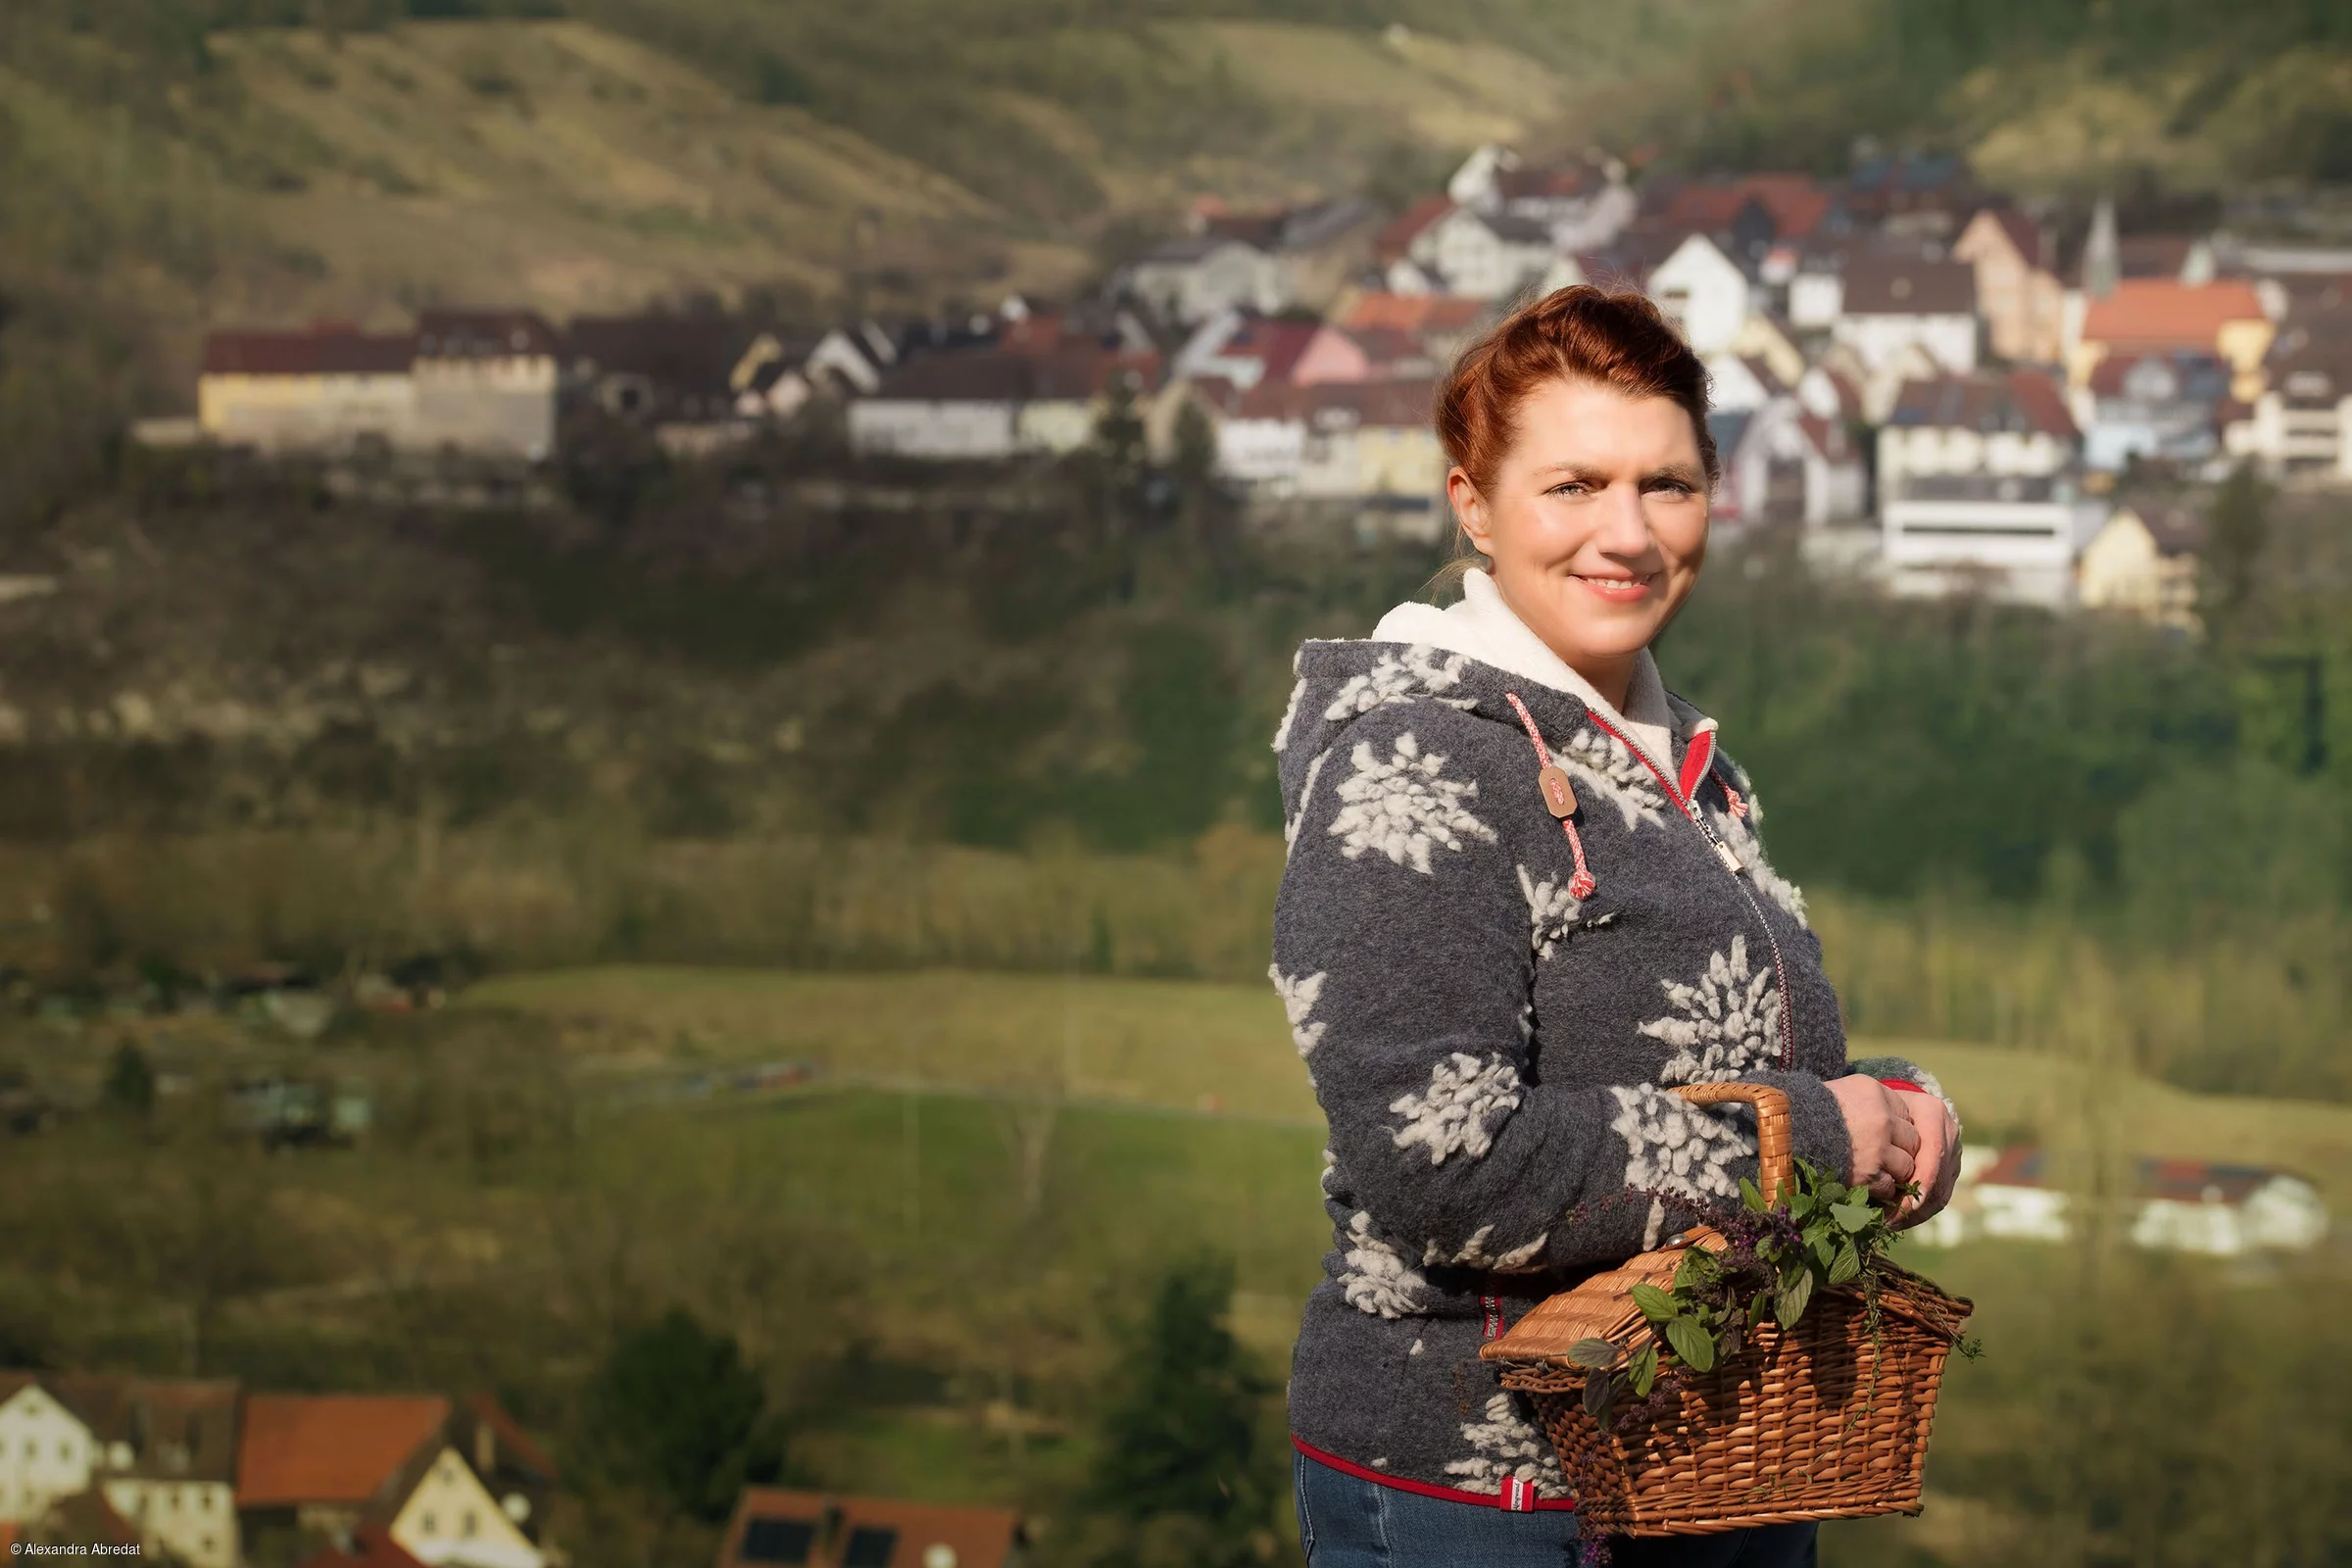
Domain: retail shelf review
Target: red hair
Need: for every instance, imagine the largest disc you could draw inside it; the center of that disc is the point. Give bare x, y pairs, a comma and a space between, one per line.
1612, 339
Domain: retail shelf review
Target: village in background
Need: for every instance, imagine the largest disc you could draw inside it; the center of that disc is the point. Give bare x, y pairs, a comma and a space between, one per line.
1929, 384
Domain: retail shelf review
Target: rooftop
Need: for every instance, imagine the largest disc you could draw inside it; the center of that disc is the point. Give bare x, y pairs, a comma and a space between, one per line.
483, 334
329, 1448
1888, 286
369, 1546
1413, 313
1988, 401
1402, 403
329, 348
2162, 313
775, 1528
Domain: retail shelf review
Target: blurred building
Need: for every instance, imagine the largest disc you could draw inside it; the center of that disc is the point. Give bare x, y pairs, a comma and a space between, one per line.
2018, 289
2179, 1205
2141, 315
160, 1454
479, 382
775, 1528
2143, 562
1979, 489
451, 1484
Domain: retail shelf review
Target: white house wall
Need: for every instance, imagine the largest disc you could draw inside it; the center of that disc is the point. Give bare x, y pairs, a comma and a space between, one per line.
1703, 292
1876, 339
1262, 452
195, 1521
46, 1452
1816, 300
1231, 276
910, 429
296, 413
450, 1518
499, 408
1057, 425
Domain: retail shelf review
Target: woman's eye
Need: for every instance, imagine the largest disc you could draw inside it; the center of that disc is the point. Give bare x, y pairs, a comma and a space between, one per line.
1570, 487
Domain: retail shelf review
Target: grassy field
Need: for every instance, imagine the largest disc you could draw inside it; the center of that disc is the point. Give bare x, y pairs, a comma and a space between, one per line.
935, 1248
1196, 1047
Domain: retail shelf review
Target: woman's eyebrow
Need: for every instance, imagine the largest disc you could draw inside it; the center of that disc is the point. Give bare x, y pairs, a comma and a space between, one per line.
1555, 472
1600, 479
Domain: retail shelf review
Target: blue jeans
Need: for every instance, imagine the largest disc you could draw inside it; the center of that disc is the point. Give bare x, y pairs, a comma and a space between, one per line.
1345, 1522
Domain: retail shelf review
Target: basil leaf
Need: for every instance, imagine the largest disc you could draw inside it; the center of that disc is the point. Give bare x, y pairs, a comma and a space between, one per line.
1789, 1304
1592, 1352
1846, 1265
1645, 1371
1597, 1398
1655, 1305
1751, 1197
1694, 1344
1855, 1217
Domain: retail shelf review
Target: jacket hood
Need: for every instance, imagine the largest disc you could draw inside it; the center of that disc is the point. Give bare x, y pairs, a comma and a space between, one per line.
1467, 655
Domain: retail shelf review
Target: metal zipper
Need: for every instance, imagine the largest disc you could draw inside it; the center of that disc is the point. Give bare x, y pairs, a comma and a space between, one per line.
1729, 862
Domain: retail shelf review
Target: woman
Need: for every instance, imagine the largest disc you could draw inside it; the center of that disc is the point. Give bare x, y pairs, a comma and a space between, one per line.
1492, 997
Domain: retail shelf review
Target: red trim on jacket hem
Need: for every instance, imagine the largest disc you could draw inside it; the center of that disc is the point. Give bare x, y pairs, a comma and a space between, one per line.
1904, 1084
1429, 1489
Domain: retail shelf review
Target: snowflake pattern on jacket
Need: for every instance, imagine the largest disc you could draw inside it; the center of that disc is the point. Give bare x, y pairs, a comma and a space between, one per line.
1496, 1057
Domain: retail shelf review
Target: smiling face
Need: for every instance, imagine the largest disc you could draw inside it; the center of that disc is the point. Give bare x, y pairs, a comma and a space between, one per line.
1595, 524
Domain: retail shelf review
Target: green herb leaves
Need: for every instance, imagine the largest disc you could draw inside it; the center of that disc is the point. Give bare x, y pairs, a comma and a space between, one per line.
1775, 1261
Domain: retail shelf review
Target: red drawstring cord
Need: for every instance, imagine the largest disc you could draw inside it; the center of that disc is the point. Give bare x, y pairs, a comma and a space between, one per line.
1583, 883
1739, 805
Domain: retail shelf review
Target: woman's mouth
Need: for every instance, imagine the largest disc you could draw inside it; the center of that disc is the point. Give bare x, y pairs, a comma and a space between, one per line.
1616, 590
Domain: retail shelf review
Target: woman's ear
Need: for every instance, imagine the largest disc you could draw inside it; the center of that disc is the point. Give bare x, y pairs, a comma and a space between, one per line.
1469, 510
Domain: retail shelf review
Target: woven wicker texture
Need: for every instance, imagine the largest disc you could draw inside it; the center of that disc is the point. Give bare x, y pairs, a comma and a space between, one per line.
1829, 1420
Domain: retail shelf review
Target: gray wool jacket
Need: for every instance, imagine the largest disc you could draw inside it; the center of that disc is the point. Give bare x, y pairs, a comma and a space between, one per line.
1491, 1040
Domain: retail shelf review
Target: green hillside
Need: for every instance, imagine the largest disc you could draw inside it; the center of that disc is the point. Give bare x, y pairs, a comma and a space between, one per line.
2048, 96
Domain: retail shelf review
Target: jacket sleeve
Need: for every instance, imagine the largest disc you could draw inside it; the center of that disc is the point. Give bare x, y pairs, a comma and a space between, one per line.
1910, 1072
1402, 953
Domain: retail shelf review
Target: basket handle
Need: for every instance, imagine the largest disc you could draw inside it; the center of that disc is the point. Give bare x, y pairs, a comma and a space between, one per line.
1776, 1168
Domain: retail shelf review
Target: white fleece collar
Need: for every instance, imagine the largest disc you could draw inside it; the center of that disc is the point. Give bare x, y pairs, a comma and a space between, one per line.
1483, 627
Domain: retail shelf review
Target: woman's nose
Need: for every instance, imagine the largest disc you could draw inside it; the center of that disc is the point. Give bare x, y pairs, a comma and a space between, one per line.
1624, 524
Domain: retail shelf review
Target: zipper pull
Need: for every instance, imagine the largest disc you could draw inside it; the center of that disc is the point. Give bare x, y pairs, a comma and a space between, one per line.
1723, 853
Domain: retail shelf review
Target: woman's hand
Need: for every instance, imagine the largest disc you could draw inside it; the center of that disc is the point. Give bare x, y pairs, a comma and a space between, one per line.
1936, 1166
1886, 1145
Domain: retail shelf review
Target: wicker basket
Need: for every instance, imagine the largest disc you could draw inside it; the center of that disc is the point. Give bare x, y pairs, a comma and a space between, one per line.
1824, 1421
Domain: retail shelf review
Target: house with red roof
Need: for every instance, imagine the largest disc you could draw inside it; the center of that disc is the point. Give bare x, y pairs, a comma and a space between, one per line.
2140, 315
367, 1546
1248, 350
326, 385
454, 1484
480, 382
775, 1528
1404, 335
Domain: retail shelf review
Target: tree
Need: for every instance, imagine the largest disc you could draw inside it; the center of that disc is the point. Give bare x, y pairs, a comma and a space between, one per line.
129, 1081
1181, 1439
2234, 537
676, 1411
